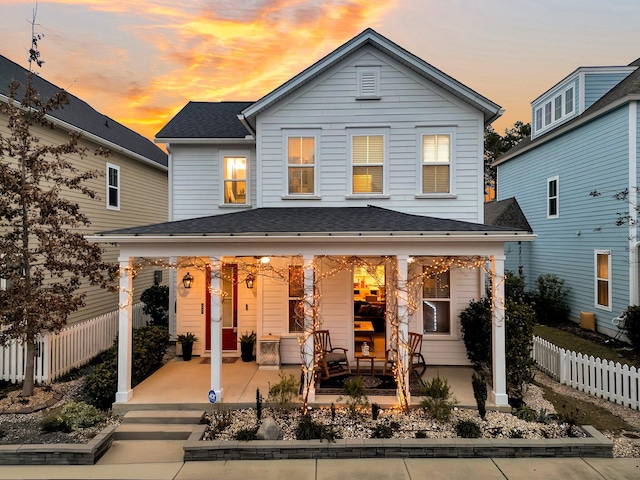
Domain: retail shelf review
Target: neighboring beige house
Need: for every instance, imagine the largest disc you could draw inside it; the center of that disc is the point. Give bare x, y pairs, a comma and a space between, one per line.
133, 189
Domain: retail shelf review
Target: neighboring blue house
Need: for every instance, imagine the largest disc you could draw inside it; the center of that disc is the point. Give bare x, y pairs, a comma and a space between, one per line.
585, 132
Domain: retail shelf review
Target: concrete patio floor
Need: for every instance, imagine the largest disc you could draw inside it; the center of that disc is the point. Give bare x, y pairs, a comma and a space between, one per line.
185, 385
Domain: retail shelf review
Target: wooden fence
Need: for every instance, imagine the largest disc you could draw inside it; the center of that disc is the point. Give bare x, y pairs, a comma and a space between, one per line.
601, 378
73, 347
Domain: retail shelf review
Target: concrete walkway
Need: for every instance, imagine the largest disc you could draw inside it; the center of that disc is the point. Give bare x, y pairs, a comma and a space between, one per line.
162, 460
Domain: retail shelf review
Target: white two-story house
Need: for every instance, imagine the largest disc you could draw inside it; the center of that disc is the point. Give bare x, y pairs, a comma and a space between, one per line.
354, 191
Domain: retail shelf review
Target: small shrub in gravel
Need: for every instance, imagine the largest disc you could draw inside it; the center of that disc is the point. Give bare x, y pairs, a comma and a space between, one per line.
437, 400
375, 411
309, 429
480, 393
246, 434
356, 394
56, 423
284, 392
82, 415
468, 429
421, 434
527, 414
382, 431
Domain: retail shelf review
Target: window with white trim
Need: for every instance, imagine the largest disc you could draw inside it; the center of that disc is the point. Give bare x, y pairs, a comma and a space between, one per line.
367, 158
296, 298
436, 303
235, 180
603, 279
113, 187
301, 165
436, 163
553, 207
554, 110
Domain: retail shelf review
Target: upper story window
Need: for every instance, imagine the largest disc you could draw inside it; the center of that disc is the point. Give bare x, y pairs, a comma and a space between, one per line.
367, 158
113, 187
301, 165
603, 279
235, 180
436, 303
296, 298
436, 163
552, 198
554, 110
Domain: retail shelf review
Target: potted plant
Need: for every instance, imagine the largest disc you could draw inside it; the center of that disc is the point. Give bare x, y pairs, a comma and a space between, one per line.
247, 342
187, 340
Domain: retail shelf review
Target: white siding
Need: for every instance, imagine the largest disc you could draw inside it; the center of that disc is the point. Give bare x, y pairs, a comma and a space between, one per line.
189, 307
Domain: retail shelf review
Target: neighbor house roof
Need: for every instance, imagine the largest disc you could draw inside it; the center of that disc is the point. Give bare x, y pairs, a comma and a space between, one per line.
629, 88
206, 120
81, 116
309, 220
506, 213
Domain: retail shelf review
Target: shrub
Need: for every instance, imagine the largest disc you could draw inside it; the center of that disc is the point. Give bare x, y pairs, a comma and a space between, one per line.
516, 433
437, 400
258, 405
513, 286
56, 423
421, 434
382, 431
100, 386
375, 411
356, 394
284, 391
550, 305
309, 429
246, 434
480, 393
82, 415
476, 331
156, 305
632, 323
527, 414
521, 320
468, 429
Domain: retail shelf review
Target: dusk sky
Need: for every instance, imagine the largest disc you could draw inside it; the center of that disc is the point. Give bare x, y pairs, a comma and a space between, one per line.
141, 62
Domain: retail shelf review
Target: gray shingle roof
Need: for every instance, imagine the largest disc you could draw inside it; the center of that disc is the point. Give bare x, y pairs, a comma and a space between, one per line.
506, 213
308, 220
206, 120
81, 115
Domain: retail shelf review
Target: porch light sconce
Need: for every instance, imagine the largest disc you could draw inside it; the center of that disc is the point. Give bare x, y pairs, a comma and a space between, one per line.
187, 280
265, 260
251, 278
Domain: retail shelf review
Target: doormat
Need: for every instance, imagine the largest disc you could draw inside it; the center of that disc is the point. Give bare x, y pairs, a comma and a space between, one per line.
378, 385
207, 360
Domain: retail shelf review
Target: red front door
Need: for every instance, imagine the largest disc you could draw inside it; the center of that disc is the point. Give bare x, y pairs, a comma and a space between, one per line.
229, 284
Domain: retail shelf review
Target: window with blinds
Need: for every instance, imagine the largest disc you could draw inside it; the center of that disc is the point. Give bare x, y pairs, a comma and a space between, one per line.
235, 180
301, 153
436, 303
436, 163
368, 163
603, 279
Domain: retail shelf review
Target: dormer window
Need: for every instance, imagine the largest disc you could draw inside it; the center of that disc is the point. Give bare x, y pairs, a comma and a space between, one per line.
554, 110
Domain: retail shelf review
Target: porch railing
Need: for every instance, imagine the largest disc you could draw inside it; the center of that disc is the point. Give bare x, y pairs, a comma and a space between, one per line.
73, 347
601, 378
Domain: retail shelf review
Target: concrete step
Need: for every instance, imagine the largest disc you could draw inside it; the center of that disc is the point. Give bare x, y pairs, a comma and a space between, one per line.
168, 417
151, 431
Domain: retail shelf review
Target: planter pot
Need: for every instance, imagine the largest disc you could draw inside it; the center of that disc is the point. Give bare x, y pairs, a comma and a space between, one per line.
246, 351
187, 350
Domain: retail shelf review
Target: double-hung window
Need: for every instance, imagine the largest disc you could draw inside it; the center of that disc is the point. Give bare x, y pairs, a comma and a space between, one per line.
436, 303
296, 298
367, 158
436, 163
235, 180
603, 279
552, 197
301, 165
113, 187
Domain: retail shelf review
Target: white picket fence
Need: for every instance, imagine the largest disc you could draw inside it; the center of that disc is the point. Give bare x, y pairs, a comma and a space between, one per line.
601, 378
73, 347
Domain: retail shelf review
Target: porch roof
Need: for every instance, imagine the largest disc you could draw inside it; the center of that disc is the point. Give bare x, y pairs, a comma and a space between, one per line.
302, 221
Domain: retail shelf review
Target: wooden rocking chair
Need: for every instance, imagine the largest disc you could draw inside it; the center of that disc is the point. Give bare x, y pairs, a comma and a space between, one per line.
417, 364
331, 361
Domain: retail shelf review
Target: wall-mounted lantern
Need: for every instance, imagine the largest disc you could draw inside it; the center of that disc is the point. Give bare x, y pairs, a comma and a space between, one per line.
251, 278
187, 280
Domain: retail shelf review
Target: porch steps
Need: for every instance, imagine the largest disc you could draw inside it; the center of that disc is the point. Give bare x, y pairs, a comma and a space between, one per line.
160, 425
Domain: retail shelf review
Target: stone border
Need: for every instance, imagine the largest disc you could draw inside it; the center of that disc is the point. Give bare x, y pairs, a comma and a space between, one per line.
596, 445
34, 408
58, 453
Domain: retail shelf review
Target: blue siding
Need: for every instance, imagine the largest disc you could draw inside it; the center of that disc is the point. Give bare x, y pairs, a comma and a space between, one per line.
592, 157
596, 85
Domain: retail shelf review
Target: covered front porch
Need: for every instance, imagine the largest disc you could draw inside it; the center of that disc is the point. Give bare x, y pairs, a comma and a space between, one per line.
184, 385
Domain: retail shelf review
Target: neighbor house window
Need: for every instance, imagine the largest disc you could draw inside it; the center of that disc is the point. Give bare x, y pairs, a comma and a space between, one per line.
568, 101
301, 163
436, 163
235, 180
113, 187
555, 110
296, 298
603, 279
436, 303
367, 163
552, 198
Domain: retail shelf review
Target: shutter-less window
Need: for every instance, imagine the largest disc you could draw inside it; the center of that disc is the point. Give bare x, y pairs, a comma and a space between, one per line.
368, 160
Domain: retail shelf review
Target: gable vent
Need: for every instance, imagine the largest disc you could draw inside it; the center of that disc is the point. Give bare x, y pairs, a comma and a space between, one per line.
368, 83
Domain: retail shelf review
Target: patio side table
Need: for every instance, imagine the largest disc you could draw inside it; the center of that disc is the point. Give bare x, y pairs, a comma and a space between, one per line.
371, 358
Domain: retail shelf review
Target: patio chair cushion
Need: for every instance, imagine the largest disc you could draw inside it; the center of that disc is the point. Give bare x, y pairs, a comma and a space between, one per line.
334, 357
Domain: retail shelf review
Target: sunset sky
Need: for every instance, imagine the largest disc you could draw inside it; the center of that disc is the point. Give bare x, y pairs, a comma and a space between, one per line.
140, 61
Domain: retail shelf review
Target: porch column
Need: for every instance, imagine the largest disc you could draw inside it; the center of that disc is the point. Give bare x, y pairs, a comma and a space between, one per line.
403, 320
308, 353
125, 330
499, 392
216, 328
